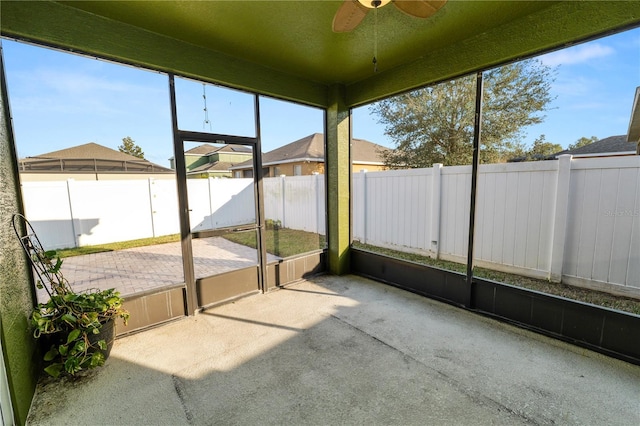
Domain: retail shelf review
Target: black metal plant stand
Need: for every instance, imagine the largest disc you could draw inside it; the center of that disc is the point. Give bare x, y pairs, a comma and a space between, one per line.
46, 267
79, 328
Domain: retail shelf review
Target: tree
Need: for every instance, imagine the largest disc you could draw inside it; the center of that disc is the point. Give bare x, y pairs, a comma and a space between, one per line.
582, 142
129, 147
542, 150
435, 124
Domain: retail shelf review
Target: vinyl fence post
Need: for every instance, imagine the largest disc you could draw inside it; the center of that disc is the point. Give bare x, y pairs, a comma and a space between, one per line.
153, 227
76, 240
210, 194
364, 206
316, 180
284, 201
561, 211
436, 195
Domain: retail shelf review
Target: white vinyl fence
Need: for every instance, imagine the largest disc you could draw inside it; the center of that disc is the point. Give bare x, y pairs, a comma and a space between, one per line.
575, 220
298, 202
81, 213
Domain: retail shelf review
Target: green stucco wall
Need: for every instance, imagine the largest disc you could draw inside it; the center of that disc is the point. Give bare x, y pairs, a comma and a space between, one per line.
230, 157
16, 296
338, 131
193, 161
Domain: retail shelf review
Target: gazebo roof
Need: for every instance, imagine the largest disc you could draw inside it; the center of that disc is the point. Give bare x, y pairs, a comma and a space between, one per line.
90, 157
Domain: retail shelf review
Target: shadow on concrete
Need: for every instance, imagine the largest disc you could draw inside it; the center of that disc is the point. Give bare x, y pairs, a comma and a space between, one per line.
343, 350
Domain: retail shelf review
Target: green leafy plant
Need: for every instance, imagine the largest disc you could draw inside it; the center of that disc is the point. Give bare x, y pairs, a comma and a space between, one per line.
70, 322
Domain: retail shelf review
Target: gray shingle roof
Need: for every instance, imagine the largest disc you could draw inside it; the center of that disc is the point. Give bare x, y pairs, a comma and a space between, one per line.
215, 166
204, 149
312, 148
612, 144
207, 149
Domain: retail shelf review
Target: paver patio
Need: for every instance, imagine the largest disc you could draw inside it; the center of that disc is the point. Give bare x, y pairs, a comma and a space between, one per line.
141, 269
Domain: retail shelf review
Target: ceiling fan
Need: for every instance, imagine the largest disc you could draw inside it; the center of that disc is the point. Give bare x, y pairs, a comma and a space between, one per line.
352, 12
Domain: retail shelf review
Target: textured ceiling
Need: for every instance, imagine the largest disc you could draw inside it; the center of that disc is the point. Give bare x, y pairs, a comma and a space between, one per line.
287, 48
296, 36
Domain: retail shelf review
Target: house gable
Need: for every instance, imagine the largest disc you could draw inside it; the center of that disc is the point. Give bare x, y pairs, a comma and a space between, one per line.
308, 153
208, 160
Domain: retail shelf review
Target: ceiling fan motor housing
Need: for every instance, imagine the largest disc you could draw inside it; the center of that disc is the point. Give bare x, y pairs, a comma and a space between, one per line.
372, 4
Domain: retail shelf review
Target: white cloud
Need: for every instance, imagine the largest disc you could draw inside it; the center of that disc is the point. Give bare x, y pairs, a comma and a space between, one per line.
65, 81
575, 86
63, 91
577, 54
594, 106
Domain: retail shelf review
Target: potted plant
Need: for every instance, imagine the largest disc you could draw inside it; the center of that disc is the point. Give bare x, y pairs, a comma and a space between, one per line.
78, 328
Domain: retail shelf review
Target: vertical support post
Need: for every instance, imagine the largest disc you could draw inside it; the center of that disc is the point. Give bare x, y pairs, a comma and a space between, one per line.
19, 349
436, 196
183, 206
261, 245
477, 132
561, 211
338, 167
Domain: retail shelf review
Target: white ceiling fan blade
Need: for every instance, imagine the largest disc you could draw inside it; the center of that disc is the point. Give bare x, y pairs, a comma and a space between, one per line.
350, 14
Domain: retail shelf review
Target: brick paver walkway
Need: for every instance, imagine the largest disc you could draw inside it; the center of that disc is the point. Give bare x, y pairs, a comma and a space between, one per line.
141, 269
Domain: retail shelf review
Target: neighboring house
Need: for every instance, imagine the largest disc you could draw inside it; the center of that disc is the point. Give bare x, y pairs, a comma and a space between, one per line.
207, 160
306, 156
90, 161
633, 134
613, 146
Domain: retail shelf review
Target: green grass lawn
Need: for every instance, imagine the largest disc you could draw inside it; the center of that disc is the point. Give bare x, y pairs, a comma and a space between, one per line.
584, 295
79, 251
282, 242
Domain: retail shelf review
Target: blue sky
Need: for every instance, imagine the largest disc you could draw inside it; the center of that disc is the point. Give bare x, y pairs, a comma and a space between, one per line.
59, 100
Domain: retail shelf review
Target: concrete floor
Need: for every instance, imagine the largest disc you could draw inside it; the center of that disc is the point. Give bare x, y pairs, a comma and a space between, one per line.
343, 350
